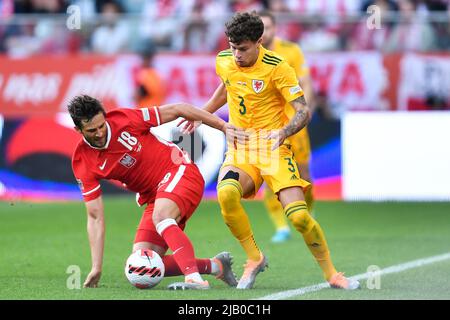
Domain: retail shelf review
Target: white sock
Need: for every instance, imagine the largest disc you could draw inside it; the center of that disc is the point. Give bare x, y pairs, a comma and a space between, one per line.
194, 276
215, 268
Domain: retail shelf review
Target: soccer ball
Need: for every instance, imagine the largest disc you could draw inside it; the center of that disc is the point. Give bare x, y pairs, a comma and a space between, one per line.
144, 269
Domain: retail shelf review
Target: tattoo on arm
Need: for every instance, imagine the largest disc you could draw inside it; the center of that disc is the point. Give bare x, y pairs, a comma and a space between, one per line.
300, 119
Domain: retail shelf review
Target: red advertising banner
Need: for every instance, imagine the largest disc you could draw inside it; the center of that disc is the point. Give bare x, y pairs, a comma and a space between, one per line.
40, 86
351, 81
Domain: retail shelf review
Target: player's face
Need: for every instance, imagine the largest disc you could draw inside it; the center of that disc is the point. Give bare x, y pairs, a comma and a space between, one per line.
269, 32
245, 53
95, 131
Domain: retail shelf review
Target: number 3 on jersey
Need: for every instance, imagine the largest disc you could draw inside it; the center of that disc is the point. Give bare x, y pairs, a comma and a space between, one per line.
127, 140
243, 108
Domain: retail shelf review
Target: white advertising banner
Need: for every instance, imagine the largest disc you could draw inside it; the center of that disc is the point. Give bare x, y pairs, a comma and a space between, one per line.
396, 156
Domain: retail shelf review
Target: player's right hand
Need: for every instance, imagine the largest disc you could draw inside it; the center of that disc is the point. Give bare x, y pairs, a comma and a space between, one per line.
92, 279
189, 126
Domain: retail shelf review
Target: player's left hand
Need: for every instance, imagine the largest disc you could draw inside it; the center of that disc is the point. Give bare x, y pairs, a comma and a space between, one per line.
278, 135
92, 279
234, 134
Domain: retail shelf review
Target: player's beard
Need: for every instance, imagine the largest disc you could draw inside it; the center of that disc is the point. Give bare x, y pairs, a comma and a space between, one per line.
97, 143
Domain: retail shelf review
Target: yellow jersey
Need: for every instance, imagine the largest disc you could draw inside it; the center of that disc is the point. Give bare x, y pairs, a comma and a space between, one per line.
293, 55
257, 96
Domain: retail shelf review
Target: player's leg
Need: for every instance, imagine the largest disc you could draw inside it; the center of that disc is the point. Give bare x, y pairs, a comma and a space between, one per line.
305, 173
301, 149
234, 184
176, 201
296, 210
219, 265
276, 214
166, 216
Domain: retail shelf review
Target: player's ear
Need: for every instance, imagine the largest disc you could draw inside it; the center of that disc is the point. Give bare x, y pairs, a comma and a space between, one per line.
259, 42
77, 129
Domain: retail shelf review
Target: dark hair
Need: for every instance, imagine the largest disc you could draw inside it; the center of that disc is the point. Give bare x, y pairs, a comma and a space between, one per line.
84, 107
267, 14
244, 26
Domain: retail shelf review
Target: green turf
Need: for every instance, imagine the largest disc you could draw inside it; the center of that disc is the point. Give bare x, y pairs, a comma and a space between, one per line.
40, 241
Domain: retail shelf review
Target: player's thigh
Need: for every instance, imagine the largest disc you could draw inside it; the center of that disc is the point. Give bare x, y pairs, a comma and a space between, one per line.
148, 245
165, 209
305, 172
246, 181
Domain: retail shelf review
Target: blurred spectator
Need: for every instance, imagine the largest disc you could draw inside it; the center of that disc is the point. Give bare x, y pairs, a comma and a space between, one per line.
363, 38
317, 37
19, 41
385, 5
246, 5
162, 22
112, 35
411, 33
150, 88
6, 8
196, 30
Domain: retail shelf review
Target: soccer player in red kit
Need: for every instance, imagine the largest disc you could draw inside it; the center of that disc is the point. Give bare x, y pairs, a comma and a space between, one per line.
119, 145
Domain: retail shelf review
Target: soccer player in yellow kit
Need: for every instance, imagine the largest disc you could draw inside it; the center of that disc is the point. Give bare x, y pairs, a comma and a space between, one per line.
300, 145
257, 84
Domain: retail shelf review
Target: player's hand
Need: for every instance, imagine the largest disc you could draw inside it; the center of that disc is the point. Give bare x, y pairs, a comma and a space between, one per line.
92, 279
278, 135
188, 126
234, 134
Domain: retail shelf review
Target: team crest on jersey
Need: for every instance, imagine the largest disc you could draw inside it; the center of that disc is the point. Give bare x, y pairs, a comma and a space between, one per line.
257, 85
127, 160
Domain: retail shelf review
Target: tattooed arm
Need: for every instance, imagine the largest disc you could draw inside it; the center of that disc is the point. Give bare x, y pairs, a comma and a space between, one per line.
299, 121
301, 117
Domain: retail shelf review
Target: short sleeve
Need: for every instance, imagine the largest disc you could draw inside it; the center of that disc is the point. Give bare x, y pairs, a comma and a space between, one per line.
144, 118
286, 82
88, 184
301, 68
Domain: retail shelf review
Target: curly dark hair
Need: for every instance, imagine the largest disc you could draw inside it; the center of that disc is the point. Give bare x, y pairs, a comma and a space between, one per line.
84, 107
244, 26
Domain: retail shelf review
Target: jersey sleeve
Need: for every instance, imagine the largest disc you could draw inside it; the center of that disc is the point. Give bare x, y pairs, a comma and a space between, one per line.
301, 68
286, 82
143, 119
89, 185
219, 69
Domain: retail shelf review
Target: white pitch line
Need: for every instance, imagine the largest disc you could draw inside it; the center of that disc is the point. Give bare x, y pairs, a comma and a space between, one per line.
392, 269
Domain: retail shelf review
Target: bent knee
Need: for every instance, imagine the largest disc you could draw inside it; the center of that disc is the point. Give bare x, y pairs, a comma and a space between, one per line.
302, 221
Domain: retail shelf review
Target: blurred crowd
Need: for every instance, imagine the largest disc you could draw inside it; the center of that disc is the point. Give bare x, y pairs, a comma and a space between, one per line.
196, 26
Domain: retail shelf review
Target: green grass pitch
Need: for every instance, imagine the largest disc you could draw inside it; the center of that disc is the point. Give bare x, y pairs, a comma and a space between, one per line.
40, 241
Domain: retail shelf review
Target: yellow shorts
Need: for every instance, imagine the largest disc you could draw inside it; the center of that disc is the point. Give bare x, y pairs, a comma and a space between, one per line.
278, 169
301, 147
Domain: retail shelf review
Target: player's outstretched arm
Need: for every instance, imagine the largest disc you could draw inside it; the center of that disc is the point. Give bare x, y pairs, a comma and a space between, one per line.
217, 101
96, 235
299, 121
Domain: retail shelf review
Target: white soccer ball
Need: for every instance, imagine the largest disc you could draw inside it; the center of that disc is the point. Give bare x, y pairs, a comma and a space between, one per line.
144, 269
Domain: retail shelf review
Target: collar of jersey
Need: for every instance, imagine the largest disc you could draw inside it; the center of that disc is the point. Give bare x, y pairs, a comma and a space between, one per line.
257, 63
108, 139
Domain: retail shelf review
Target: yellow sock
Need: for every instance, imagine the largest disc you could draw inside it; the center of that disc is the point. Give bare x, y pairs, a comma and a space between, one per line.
229, 194
313, 235
275, 210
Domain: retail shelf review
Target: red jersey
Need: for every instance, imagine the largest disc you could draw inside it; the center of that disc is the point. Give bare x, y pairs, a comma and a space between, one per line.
131, 155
